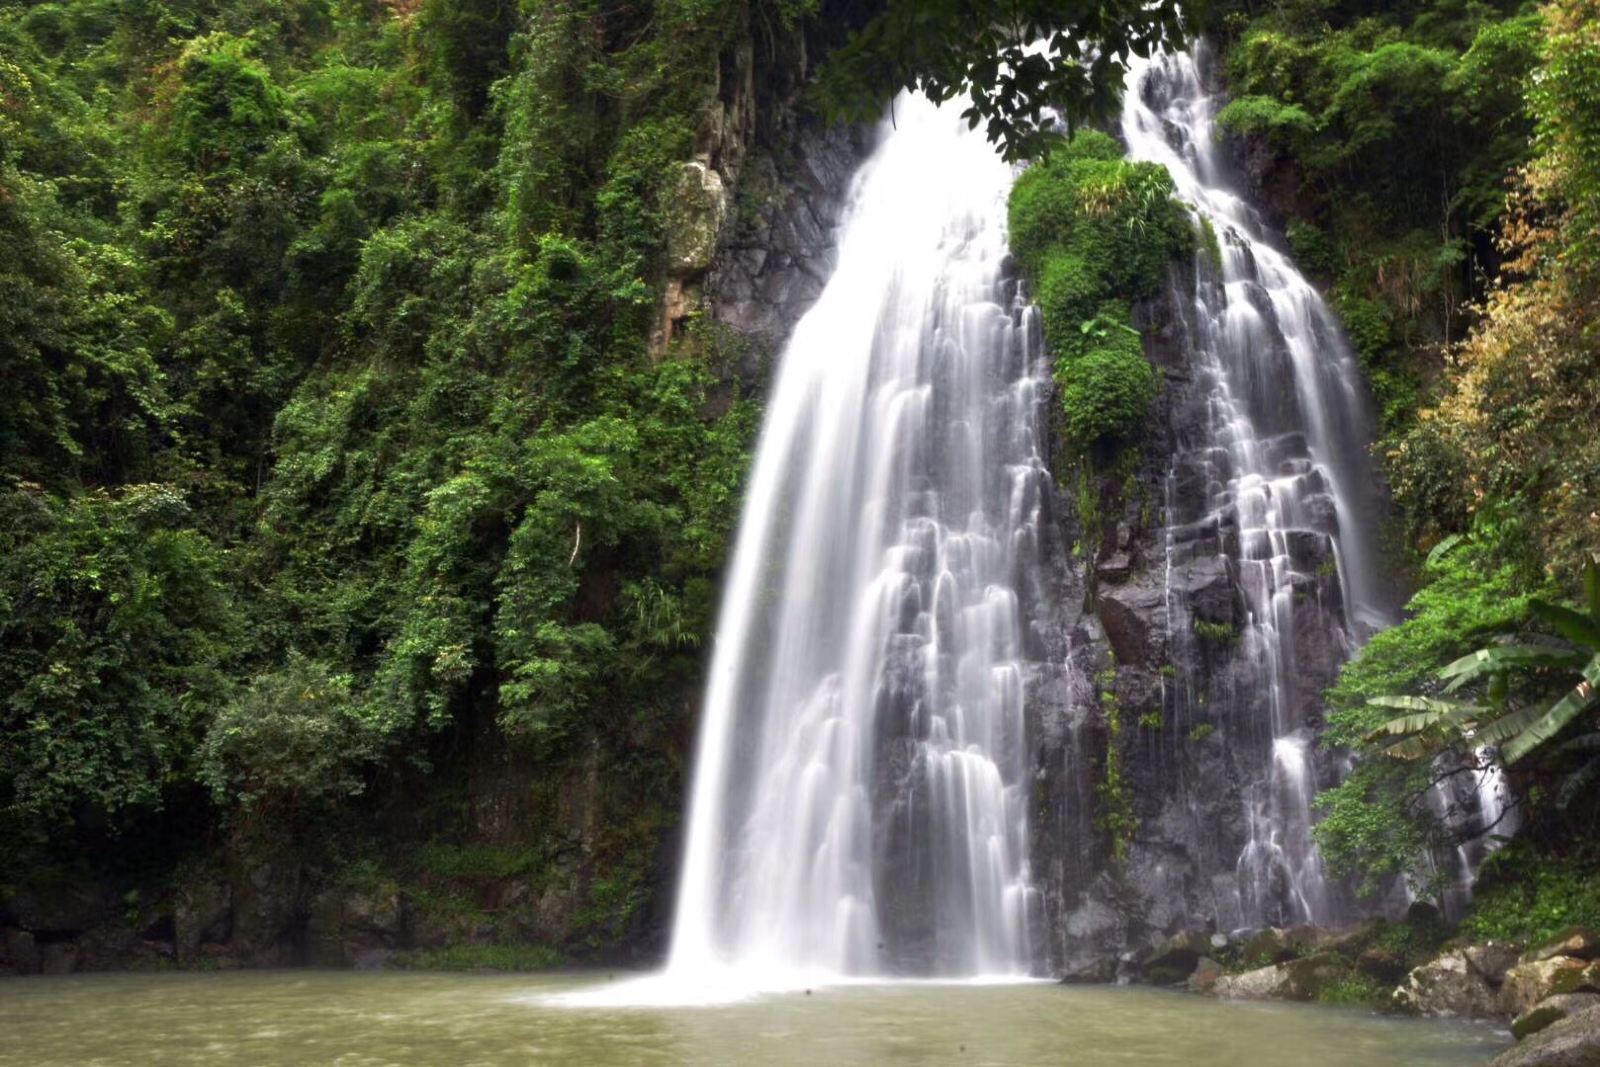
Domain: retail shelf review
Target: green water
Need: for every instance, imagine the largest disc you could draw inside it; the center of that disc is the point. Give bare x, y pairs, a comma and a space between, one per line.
366, 1020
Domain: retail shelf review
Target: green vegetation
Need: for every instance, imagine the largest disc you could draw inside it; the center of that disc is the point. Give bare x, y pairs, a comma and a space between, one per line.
1014, 60
336, 441
1355, 990
1216, 633
1115, 816
1525, 897
1528, 692
1401, 125
484, 958
1095, 233
1495, 480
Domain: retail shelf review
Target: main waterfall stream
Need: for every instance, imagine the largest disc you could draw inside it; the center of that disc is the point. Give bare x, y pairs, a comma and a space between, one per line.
859, 798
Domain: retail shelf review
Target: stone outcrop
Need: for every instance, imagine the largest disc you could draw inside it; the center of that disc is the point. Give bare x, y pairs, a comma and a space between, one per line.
1571, 1042
1175, 959
1577, 942
1456, 984
1263, 983
1552, 1010
1301, 979
1529, 982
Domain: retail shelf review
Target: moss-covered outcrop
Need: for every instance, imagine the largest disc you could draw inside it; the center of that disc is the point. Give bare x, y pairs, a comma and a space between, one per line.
1095, 233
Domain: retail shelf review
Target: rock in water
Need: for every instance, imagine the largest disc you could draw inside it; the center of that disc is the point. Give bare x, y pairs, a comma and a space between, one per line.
1263, 983
1448, 986
1572, 1042
1175, 958
1529, 983
1207, 973
1302, 979
1552, 1010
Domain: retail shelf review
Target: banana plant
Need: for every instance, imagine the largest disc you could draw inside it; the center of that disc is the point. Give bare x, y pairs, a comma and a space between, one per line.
1502, 717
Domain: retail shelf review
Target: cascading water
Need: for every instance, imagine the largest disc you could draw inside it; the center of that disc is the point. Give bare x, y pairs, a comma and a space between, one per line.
1284, 487
859, 800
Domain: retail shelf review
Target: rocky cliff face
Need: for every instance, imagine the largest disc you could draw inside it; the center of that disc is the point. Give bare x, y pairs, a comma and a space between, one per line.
1153, 744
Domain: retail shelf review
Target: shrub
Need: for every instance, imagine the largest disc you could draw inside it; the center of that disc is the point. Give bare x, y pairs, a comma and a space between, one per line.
292, 740
1094, 233
1527, 897
1105, 394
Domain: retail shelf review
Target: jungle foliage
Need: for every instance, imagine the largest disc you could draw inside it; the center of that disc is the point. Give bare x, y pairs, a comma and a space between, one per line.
1020, 64
1395, 128
1496, 478
332, 433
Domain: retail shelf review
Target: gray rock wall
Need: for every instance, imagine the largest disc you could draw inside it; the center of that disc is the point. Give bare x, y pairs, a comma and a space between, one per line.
1118, 641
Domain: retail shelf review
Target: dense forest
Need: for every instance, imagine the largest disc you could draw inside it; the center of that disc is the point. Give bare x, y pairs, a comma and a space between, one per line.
368, 456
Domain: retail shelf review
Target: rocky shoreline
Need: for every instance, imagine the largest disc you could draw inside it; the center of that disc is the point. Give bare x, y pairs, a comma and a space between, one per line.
1548, 995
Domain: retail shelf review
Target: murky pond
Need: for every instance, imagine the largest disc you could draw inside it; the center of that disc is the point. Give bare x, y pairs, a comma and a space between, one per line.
366, 1020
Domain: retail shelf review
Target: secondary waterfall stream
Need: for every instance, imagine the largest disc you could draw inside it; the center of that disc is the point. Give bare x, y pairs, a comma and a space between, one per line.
859, 800
1284, 485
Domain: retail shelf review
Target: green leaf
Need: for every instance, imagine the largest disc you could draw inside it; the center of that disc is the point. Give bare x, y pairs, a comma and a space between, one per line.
1573, 625
1498, 658
1581, 698
1428, 712
1442, 549
1507, 726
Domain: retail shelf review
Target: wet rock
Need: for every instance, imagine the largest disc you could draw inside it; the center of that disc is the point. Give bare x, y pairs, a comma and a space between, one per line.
18, 951
1528, 983
1447, 986
1573, 980
1115, 568
201, 912
694, 216
372, 959
348, 924
1381, 964
1264, 983
65, 906
1175, 959
1571, 1042
1579, 942
1134, 617
1269, 945
1091, 972
1310, 976
58, 957
1210, 587
1552, 1010
1207, 973
1492, 960
777, 249
266, 896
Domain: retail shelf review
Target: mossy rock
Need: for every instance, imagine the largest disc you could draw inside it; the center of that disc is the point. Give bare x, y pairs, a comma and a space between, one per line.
1552, 1010
1578, 942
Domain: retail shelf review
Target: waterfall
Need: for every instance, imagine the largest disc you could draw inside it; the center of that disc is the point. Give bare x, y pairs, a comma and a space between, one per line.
1282, 483
859, 804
